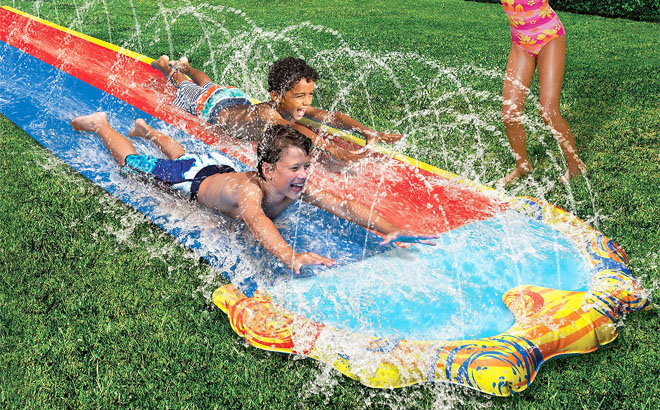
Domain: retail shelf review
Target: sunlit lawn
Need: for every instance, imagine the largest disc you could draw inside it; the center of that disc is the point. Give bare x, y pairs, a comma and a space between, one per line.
99, 308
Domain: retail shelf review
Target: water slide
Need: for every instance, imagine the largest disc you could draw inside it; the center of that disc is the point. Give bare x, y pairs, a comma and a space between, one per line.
512, 283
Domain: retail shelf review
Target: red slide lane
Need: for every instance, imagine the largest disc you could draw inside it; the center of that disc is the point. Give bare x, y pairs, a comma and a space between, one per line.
407, 195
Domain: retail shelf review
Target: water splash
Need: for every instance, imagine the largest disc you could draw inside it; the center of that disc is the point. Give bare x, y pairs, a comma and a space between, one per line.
433, 104
450, 115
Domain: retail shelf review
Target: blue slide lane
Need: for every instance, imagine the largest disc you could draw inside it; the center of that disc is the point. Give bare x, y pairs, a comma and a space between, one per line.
451, 291
42, 100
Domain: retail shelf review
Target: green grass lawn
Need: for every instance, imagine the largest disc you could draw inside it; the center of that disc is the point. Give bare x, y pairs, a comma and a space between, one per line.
100, 308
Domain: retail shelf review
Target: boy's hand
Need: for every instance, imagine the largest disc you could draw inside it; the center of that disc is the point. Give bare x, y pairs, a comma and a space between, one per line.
347, 156
386, 137
310, 258
405, 235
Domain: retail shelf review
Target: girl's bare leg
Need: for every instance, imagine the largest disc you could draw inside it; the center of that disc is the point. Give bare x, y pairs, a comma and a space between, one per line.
162, 64
518, 77
551, 63
169, 146
118, 145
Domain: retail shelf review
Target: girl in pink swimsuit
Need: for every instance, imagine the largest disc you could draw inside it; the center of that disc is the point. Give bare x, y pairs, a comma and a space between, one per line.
538, 43
533, 24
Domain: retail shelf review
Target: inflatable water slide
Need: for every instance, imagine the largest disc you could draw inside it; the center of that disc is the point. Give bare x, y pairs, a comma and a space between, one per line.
512, 282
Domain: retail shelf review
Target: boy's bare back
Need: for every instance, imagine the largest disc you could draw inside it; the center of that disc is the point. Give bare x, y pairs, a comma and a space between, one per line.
248, 121
236, 193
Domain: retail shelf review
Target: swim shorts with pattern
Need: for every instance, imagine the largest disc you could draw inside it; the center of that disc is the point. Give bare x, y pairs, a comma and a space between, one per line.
208, 100
184, 174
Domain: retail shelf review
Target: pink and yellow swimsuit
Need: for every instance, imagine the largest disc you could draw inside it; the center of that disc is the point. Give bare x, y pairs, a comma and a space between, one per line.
533, 24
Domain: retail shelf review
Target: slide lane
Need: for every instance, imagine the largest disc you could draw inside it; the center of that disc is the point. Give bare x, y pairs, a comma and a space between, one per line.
41, 100
409, 195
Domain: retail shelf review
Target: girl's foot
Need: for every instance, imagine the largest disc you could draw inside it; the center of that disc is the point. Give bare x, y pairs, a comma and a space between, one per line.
90, 122
520, 171
573, 170
140, 129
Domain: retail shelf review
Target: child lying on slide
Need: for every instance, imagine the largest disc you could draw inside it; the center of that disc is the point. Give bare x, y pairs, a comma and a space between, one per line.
291, 88
283, 156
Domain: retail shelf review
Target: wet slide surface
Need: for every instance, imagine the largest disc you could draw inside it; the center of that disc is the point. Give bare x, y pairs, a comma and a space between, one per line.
52, 76
385, 315
406, 194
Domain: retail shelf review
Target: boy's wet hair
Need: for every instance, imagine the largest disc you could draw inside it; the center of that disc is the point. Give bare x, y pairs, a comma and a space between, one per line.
285, 73
275, 140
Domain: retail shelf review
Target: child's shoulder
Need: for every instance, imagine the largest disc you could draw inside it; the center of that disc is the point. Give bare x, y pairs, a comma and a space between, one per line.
264, 106
267, 111
250, 182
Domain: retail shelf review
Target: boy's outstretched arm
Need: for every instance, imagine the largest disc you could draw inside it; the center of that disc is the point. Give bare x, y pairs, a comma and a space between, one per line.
271, 116
267, 234
334, 151
362, 215
343, 121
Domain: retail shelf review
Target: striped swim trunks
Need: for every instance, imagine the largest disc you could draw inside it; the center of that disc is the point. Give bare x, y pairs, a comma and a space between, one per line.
208, 100
184, 174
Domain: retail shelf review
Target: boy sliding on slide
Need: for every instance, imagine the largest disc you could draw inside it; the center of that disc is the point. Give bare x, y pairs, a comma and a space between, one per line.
283, 156
291, 88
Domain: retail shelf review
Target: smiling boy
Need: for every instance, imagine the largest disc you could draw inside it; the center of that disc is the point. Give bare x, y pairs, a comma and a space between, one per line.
291, 88
256, 197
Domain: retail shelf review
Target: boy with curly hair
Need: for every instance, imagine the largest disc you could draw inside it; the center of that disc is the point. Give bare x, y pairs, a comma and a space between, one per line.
291, 87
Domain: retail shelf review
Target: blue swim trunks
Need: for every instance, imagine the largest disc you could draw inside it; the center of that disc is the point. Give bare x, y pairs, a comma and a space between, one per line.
208, 100
184, 174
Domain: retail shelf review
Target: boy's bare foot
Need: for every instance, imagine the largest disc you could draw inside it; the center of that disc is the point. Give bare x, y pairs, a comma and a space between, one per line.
140, 129
90, 122
162, 64
180, 64
573, 170
172, 71
520, 171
